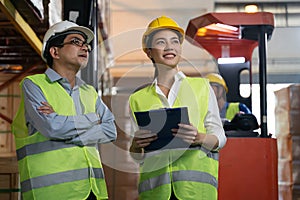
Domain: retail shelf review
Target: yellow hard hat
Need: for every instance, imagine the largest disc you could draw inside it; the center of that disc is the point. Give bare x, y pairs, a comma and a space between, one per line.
217, 78
161, 23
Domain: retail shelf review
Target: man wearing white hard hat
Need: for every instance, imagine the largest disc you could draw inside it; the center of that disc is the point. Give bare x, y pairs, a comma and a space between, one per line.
60, 122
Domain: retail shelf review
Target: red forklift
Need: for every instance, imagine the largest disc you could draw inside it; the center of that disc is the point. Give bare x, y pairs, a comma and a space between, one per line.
248, 162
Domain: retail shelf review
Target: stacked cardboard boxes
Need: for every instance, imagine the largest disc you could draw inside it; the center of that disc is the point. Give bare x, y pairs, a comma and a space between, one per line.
287, 115
9, 176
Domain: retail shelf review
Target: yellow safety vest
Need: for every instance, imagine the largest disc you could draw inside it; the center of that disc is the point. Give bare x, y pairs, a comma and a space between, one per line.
52, 169
232, 110
191, 173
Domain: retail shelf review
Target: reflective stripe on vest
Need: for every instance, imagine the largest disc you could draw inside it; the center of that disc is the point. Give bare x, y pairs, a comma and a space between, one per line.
40, 147
184, 175
62, 177
59, 164
179, 167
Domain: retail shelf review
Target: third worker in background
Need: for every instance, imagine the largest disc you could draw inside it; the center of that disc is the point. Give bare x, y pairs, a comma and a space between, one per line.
227, 109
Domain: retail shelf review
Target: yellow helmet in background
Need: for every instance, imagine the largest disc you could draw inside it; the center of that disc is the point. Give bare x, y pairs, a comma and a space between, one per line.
161, 23
217, 78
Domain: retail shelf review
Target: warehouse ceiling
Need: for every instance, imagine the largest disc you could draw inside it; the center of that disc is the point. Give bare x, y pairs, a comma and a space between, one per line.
22, 27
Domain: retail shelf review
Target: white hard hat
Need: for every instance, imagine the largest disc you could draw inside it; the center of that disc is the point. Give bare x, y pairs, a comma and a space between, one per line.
64, 26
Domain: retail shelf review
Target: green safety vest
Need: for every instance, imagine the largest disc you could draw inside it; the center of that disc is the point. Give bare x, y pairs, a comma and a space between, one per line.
52, 169
232, 110
191, 173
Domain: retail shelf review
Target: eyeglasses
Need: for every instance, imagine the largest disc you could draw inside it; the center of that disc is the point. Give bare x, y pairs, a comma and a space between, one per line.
77, 42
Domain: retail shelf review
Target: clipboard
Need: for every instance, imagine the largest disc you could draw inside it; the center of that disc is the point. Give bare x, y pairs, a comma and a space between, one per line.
161, 121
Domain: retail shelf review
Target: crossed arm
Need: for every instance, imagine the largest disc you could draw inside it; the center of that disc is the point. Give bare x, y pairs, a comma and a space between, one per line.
81, 129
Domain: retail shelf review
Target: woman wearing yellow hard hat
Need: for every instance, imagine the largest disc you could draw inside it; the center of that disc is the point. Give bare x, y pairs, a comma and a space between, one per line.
176, 173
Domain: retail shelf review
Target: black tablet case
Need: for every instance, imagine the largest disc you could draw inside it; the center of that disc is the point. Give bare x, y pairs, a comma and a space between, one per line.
161, 121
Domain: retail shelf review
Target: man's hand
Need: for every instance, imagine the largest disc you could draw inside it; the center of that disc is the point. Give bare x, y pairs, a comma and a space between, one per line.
45, 108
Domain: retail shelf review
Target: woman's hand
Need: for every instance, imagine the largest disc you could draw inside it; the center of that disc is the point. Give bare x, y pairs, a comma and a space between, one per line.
189, 134
46, 108
142, 138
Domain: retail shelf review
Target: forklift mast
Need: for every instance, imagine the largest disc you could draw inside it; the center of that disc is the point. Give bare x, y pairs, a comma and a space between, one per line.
247, 165
232, 35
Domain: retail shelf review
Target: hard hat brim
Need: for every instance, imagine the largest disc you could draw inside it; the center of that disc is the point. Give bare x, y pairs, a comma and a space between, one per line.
151, 30
86, 31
